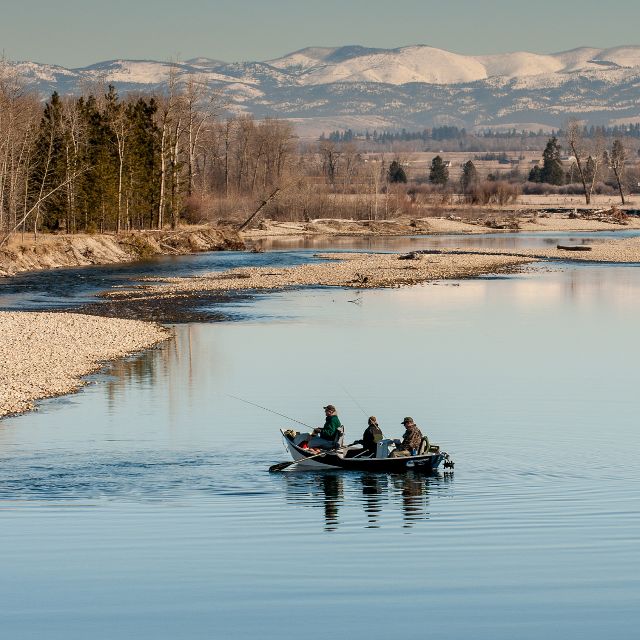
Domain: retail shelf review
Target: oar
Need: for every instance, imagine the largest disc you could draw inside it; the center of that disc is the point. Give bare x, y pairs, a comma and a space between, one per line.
281, 466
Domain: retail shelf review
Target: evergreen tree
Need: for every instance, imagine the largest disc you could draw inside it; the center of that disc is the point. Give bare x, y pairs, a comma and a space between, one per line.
99, 188
396, 173
590, 170
552, 171
49, 166
142, 168
438, 174
535, 175
469, 178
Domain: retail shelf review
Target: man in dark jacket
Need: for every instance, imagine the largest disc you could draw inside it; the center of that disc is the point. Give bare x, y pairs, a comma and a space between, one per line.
371, 436
324, 437
410, 441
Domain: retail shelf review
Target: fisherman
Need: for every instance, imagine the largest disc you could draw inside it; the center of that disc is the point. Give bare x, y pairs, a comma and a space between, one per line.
371, 436
325, 437
411, 440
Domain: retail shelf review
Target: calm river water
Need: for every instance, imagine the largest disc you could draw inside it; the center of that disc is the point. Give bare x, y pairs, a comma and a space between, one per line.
142, 508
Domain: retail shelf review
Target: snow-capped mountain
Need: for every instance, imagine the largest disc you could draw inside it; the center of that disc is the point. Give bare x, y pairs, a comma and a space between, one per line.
412, 87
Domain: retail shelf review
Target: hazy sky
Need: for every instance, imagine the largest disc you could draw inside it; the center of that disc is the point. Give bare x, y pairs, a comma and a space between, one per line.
80, 32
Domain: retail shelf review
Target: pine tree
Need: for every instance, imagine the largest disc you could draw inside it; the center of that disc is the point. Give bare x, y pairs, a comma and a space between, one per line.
552, 171
438, 174
535, 175
396, 173
142, 165
49, 166
469, 177
100, 187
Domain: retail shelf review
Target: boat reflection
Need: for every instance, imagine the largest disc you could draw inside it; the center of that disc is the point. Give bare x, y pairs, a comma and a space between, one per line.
385, 499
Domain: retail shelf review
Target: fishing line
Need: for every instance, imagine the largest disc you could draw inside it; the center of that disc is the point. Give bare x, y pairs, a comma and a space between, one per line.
355, 401
269, 410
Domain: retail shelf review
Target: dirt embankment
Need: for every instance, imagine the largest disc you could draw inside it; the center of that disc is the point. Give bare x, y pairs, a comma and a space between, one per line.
55, 251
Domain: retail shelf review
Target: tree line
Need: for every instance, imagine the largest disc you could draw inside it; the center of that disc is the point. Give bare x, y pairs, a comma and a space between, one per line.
101, 162
456, 133
589, 163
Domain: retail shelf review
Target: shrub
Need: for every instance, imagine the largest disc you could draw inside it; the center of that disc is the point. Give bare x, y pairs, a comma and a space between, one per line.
498, 192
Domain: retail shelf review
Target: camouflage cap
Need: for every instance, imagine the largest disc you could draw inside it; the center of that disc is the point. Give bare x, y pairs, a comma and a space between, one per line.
329, 407
407, 420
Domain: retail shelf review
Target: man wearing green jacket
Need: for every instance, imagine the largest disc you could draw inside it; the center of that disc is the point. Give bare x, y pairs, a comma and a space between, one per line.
324, 437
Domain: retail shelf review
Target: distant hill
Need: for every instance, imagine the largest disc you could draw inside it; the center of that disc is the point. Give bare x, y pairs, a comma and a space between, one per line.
418, 86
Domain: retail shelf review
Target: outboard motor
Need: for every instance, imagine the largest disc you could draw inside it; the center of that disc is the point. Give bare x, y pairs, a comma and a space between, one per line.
448, 462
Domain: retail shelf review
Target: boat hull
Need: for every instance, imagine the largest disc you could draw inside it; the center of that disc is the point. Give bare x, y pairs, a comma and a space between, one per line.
427, 463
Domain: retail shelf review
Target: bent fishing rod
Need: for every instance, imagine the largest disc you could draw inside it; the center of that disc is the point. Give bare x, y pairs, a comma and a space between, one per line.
253, 404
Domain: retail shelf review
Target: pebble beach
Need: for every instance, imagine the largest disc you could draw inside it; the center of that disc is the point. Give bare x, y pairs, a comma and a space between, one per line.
43, 355
356, 270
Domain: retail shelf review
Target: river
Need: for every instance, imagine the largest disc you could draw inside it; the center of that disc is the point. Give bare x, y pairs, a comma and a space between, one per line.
142, 507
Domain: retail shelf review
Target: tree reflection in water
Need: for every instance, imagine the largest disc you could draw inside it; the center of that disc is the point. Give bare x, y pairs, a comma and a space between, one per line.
336, 491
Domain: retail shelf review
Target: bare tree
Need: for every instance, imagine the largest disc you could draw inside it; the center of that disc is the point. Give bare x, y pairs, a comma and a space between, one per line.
202, 105
19, 113
576, 144
330, 155
617, 159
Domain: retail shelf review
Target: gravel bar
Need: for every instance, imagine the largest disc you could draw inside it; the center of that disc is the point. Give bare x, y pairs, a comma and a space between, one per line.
357, 270
47, 354
625, 251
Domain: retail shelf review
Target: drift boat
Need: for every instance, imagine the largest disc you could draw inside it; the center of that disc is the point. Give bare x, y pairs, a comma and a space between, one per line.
428, 459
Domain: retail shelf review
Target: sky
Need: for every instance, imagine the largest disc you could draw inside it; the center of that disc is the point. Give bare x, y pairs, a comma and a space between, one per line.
76, 33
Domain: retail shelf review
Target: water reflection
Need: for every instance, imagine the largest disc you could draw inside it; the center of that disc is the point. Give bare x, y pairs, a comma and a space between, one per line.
383, 498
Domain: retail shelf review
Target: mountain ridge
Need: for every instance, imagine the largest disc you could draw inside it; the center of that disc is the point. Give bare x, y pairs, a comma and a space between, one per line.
412, 86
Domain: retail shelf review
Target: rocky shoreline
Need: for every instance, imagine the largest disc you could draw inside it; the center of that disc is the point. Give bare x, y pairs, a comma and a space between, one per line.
43, 355
355, 270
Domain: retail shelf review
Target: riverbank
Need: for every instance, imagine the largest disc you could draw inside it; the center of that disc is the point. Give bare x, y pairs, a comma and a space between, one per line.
56, 251
43, 355
462, 222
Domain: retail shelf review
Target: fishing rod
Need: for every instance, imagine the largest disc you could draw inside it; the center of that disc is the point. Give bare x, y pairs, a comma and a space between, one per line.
269, 410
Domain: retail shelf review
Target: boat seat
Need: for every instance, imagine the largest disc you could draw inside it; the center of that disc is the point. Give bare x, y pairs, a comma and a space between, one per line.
424, 446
